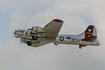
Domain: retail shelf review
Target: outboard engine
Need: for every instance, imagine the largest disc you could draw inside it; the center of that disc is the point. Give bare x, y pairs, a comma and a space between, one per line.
23, 40
29, 43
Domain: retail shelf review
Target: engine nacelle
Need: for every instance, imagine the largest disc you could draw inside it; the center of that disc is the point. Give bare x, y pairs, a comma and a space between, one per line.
37, 29
29, 43
23, 41
56, 43
29, 31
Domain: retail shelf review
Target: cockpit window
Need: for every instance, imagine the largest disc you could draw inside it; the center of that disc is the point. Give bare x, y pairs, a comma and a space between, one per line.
29, 29
17, 31
22, 31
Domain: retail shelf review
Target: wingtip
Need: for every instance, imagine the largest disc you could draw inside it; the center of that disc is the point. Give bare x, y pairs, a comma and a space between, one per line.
57, 20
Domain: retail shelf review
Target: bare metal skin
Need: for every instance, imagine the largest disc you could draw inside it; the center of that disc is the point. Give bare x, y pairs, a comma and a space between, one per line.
38, 36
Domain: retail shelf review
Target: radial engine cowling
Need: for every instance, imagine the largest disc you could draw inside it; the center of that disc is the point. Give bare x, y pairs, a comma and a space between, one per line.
23, 41
37, 29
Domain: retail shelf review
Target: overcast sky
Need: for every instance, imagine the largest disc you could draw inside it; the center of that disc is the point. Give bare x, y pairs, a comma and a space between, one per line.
76, 14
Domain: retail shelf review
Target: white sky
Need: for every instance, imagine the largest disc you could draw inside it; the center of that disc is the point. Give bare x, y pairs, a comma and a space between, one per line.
76, 14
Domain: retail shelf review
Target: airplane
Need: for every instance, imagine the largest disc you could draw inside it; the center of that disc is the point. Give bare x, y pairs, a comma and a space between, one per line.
38, 36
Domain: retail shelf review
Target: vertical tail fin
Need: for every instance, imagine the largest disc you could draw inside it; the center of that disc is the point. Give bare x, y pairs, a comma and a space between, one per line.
90, 35
90, 31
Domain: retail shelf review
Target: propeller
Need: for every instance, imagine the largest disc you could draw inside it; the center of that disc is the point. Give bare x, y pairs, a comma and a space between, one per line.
20, 41
36, 28
13, 36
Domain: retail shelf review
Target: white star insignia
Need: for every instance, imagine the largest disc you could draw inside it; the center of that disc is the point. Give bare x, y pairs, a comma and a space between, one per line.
90, 30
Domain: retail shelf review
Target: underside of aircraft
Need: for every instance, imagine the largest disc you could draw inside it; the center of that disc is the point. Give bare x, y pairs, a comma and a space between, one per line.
38, 36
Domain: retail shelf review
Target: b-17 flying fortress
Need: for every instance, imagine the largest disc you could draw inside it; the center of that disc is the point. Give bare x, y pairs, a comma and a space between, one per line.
38, 36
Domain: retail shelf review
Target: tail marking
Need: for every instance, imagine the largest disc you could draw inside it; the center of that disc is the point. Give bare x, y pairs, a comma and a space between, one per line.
89, 31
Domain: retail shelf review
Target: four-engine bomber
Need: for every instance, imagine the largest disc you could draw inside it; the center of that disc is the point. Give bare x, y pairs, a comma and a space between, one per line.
38, 36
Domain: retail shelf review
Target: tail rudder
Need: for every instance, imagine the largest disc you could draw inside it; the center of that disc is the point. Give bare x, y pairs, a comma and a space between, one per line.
90, 31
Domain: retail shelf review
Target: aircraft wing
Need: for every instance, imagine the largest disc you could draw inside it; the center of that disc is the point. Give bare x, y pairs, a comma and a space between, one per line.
53, 28
42, 42
51, 31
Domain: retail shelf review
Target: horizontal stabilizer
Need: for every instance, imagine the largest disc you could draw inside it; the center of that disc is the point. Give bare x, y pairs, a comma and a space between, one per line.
90, 39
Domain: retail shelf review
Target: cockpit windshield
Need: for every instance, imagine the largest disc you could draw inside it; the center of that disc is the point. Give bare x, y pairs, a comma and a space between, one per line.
29, 29
22, 31
17, 31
